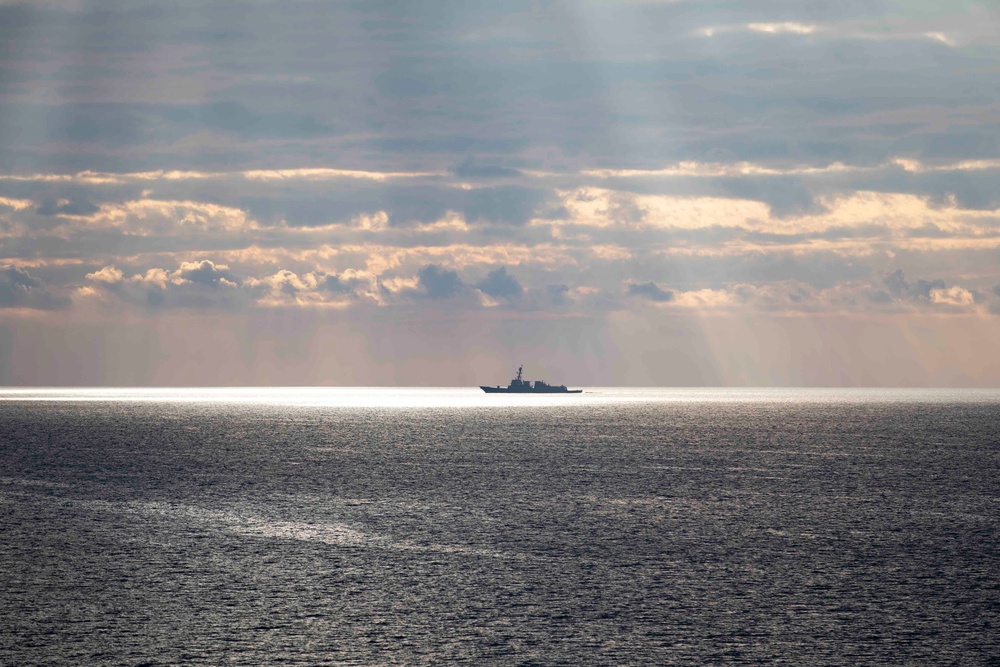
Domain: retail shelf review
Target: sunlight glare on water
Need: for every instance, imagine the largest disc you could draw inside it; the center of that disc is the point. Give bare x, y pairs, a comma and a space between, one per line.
469, 397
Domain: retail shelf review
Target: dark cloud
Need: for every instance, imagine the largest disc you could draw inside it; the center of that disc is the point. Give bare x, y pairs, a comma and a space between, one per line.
439, 283
499, 283
123, 124
205, 273
900, 288
59, 207
19, 289
454, 80
506, 204
650, 291
879, 296
557, 293
335, 283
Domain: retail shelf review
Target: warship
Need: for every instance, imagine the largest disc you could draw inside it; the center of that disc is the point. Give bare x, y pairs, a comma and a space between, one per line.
520, 386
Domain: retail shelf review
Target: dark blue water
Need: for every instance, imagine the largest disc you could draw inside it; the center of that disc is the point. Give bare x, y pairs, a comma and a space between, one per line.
409, 527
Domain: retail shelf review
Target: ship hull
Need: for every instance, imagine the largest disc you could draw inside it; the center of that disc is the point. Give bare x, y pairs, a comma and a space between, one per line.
547, 390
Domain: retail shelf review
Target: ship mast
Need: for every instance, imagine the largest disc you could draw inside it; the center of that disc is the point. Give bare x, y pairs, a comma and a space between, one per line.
519, 372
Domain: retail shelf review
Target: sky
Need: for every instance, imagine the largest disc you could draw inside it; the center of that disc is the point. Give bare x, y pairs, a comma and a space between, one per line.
640, 192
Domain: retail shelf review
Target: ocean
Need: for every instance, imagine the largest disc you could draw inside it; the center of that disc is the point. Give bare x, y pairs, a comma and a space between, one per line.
425, 526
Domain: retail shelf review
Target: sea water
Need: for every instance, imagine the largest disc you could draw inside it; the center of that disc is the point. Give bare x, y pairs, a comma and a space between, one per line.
420, 526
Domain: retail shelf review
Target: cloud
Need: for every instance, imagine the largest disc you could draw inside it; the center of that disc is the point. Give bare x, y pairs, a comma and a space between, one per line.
499, 283
406, 90
900, 288
205, 273
312, 289
19, 289
150, 217
780, 28
16, 204
304, 174
848, 31
198, 284
324, 174
783, 27
597, 238
348, 282
649, 290
437, 167
109, 275
504, 204
66, 207
439, 283
953, 296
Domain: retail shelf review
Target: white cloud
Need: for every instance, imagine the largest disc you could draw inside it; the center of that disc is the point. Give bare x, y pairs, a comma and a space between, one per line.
716, 169
149, 216
109, 275
16, 204
783, 27
704, 298
776, 28
916, 166
849, 30
376, 222
257, 175
720, 169
597, 207
325, 174
953, 296
941, 37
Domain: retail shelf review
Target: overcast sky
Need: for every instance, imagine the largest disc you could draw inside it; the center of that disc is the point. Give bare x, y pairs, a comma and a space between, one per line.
633, 192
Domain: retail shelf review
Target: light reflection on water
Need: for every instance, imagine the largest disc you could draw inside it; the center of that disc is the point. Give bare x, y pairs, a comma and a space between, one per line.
467, 397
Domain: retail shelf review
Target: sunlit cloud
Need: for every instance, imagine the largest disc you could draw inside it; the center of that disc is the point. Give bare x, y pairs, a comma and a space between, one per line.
598, 207
108, 274
16, 204
718, 169
778, 28
705, 298
329, 174
312, 289
953, 296
307, 174
686, 169
783, 27
941, 37
146, 216
889, 216
916, 166
835, 31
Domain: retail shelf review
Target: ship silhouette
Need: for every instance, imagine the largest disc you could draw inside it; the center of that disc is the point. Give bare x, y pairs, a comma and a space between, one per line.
520, 386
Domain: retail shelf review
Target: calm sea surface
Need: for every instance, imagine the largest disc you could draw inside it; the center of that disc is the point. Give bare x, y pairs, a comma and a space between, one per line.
388, 526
